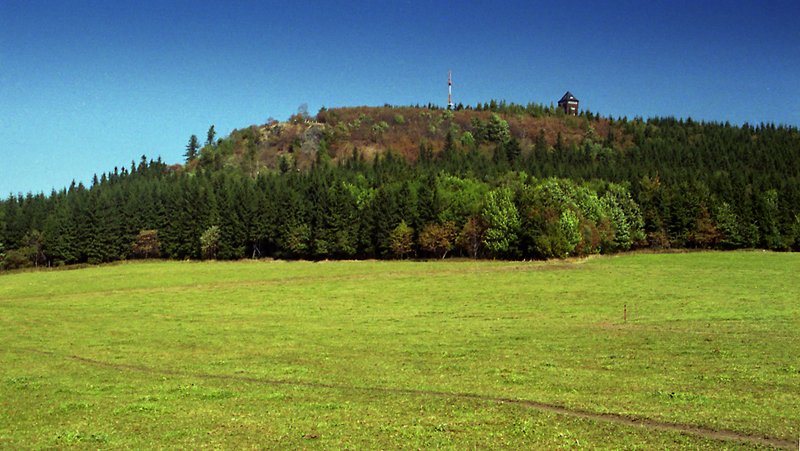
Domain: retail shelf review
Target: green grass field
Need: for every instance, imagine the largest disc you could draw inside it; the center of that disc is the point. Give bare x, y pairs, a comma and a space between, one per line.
454, 354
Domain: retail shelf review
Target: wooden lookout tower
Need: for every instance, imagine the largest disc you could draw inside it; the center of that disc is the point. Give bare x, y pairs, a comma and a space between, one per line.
569, 103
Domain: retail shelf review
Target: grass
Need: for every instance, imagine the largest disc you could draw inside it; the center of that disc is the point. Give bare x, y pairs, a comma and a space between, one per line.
402, 354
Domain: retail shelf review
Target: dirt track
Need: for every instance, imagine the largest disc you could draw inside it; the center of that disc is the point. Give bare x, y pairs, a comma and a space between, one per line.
714, 434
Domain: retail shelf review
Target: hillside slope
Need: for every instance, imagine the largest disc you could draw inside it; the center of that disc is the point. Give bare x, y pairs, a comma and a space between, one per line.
495, 181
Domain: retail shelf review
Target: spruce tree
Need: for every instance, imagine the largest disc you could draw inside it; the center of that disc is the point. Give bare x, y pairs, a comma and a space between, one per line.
427, 199
210, 136
61, 234
191, 149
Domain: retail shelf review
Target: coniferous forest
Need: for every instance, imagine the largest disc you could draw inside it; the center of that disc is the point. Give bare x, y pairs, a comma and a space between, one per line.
495, 180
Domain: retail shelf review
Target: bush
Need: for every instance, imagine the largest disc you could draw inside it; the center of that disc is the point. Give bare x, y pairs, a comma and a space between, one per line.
18, 258
401, 240
467, 140
209, 242
147, 244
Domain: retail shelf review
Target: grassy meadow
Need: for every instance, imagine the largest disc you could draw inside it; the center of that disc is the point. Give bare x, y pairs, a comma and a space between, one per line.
374, 354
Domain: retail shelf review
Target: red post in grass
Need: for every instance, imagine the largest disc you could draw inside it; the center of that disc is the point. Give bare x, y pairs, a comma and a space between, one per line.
625, 313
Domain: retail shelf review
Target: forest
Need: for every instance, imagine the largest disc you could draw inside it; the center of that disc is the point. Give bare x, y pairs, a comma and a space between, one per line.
495, 180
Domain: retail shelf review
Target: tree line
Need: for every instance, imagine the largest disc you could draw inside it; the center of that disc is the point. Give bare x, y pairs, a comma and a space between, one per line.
486, 193
389, 209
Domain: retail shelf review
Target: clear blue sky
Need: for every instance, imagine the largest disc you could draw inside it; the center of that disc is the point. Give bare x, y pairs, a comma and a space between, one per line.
89, 85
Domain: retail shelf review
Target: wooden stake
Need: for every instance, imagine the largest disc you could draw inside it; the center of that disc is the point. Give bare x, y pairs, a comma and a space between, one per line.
625, 313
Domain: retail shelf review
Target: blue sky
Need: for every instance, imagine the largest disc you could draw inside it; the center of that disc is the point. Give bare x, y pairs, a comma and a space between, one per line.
89, 85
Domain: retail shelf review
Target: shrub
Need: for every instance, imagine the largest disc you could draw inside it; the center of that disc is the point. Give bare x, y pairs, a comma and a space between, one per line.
17, 259
401, 240
209, 242
467, 140
146, 245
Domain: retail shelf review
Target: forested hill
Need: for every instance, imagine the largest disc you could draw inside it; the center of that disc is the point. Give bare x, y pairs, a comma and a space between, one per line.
495, 180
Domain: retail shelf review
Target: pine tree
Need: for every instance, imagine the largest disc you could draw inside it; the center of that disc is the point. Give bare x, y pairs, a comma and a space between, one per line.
191, 149
512, 150
427, 200
210, 136
231, 225
386, 217
559, 142
61, 234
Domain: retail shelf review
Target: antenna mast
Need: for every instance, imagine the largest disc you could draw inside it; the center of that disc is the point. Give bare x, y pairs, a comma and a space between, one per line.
449, 90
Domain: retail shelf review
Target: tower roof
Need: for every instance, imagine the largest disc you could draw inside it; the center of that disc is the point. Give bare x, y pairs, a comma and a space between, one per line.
567, 97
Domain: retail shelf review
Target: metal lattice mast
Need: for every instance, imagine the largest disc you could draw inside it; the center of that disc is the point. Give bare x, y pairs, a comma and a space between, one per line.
449, 90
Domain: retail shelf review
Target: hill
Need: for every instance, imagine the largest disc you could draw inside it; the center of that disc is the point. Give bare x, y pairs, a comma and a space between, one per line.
497, 180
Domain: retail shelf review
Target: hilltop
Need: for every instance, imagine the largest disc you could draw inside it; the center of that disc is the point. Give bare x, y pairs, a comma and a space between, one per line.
375, 131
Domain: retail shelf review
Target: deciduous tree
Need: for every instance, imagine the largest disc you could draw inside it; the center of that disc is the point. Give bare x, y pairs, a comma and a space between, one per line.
502, 221
146, 245
401, 240
438, 239
209, 242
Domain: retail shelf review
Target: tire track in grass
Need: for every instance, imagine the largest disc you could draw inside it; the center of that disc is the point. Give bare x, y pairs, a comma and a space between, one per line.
700, 431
